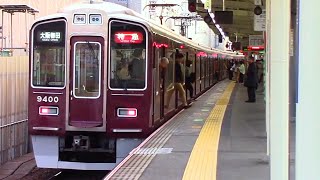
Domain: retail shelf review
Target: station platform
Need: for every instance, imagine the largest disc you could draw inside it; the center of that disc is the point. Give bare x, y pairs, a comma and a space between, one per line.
220, 137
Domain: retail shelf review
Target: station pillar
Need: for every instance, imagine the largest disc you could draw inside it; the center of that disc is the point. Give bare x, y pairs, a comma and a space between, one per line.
278, 30
308, 111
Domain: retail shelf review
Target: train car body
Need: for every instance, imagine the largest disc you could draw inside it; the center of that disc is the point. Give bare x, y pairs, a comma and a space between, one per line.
86, 111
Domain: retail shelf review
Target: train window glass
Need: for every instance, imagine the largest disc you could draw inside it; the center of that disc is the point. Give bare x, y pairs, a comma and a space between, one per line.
48, 56
203, 59
128, 63
198, 67
158, 75
87, 63
170, 70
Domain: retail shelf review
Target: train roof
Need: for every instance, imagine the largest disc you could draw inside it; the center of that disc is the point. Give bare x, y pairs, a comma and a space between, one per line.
124, 13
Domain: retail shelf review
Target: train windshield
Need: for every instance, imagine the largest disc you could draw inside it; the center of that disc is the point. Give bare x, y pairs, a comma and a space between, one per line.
48, 60
128, 64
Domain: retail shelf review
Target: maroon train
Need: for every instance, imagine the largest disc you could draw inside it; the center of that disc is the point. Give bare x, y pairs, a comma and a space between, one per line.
85, 110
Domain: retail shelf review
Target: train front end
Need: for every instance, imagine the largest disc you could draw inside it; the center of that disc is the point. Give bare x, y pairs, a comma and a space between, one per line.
84, 111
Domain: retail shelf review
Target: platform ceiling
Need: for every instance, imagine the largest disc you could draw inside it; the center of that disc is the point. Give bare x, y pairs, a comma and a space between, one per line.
243, 17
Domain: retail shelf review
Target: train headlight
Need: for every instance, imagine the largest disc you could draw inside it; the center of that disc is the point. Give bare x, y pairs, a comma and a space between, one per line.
48, 110
127, 112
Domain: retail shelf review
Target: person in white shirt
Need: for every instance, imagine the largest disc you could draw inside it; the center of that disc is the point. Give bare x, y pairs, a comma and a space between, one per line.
242, 70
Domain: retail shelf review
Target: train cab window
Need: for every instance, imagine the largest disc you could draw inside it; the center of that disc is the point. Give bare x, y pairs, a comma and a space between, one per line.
48, 55
87, 73
128, 60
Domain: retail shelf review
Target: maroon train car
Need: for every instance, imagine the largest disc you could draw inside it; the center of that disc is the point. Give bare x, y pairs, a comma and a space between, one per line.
94, 83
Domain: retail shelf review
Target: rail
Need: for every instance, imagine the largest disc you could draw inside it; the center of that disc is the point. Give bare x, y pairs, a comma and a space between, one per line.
18, 122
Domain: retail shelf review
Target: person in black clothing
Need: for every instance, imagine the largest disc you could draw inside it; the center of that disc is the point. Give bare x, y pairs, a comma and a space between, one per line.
230, 71
252, 81
137, 66
178, 81
189, 80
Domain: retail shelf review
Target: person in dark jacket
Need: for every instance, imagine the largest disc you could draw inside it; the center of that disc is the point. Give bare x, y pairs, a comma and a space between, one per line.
252, 81
188, 78
230, 71
178, 82
137, 66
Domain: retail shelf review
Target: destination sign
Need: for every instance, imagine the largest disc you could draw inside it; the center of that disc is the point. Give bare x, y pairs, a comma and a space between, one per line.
128, 37
49, 36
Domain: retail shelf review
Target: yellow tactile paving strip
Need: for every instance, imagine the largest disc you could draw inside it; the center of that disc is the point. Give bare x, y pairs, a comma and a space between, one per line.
202, 163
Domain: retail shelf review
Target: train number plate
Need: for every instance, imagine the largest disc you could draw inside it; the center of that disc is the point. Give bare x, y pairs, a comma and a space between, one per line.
49, 99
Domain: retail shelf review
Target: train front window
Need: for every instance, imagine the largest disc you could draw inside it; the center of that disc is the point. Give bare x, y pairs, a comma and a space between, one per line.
128, 63
48, 57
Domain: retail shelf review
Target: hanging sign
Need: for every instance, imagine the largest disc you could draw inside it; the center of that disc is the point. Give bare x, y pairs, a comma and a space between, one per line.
260, 21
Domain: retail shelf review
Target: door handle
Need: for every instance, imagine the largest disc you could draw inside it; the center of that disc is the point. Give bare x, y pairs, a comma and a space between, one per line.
71, 95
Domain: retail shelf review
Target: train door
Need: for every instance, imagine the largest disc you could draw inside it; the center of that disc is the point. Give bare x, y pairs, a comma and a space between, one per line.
158, 86
86, 77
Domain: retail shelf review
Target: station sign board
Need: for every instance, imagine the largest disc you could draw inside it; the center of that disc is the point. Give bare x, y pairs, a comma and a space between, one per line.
256, 40
260, 21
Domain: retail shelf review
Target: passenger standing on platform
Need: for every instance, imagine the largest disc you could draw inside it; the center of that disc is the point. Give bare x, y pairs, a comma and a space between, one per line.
230, 64
260, 70
178, 81
236, 71
242, 71
233, 69
251, 81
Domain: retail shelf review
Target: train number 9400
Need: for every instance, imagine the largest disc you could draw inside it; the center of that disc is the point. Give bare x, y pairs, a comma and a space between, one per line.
49, 99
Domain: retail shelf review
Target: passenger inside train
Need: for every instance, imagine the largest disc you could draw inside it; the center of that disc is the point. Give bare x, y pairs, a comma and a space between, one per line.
178, 82
123, 71
189, 78
137, 65
163, 68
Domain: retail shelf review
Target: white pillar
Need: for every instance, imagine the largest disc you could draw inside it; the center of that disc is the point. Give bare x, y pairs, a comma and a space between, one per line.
279, 31
267, 75
308, 112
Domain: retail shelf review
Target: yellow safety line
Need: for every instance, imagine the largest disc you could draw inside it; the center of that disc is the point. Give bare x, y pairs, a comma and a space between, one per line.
202, 163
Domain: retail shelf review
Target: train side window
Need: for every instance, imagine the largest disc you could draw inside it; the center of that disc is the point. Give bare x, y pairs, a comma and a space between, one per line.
128, 56
198, 67
170, 69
